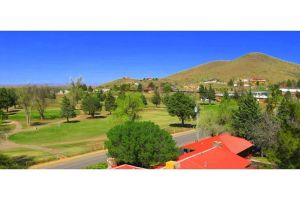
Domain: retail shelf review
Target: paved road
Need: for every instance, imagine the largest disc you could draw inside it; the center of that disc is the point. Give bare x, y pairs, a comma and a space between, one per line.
94, 158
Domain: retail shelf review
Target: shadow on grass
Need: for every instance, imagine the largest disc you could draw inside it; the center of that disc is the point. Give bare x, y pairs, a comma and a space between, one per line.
97, 117
71, 122
38, 123
19, 162
182, 125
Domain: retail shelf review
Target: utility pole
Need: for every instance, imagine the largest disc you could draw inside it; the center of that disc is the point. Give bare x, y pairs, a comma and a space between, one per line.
197, 111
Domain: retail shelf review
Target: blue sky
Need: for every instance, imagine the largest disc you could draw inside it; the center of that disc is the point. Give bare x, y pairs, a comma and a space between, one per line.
55, 57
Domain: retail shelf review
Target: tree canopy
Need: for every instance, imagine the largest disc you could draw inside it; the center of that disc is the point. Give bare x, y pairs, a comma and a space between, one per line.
247, 116
91, 104
128, 107
110, 102
67, 109
182, 106
141, 144
156, 98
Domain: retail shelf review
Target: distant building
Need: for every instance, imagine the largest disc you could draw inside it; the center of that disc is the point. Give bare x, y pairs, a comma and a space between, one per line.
62, 92
261, 96
254, 81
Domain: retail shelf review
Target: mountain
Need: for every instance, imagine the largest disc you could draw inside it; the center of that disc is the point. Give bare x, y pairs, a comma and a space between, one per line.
124, 80
251, 65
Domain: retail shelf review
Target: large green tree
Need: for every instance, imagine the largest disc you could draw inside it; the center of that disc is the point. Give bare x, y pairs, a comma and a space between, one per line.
156, 98
67, 109
4, 99
141, 144
182, 106
91, 104
203, 92
247, 116
211, 94
110, 102
129, 107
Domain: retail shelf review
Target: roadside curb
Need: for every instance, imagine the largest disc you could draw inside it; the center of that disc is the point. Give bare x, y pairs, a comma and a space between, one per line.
48, 164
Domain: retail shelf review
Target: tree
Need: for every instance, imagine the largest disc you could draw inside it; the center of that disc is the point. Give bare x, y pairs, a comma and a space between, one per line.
90, 89
286, 152
273, 99
211, 94
141, 144
67, 109
144, 100
156, 98
236, 95
297, 95
91, 104
128, 107
140, 87
288, 95
226, 108
4, 99
203, 92
166, 98
265, 134
289, 83
76, 91
230, 83
110, 102
151, 85
182, 106
225, 95
101, 95
167, 88
41, 96
247, 116
12, 97
298, 83
26, 100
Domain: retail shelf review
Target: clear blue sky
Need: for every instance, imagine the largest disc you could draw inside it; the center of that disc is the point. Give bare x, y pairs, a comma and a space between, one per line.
55, 57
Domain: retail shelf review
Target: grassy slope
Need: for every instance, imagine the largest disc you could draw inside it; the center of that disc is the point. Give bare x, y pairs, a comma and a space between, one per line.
254, 64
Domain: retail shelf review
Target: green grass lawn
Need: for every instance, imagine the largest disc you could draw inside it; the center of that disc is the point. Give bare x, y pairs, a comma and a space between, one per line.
51, 114
98, 166
89, 135
37, 156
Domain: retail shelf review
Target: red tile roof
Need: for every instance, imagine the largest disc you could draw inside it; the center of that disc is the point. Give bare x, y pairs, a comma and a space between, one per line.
207, 156
214, 158
126, 166
232, 143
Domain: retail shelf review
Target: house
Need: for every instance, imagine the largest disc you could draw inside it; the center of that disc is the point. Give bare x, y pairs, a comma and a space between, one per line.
219, 152
293, 91
257, 81
62, 92
261, 96
149, 90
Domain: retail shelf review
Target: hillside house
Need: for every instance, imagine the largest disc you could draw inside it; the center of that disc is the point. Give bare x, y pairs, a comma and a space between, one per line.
257, 81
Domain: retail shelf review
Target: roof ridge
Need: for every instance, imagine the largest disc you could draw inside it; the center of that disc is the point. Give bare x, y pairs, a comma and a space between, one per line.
199, 153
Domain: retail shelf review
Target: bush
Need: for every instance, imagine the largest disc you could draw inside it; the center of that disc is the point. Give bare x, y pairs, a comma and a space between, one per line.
141, 144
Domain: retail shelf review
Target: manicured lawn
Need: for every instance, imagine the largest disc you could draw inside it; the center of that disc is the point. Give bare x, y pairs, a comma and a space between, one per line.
37, 156
65, 132
89, 134
161, 117
98, 166
96, 128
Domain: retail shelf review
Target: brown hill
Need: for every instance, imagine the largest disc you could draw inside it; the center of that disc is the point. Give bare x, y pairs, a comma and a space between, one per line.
251, 65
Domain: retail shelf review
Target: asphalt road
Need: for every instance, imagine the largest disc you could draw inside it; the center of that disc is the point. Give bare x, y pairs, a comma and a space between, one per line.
91, 159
